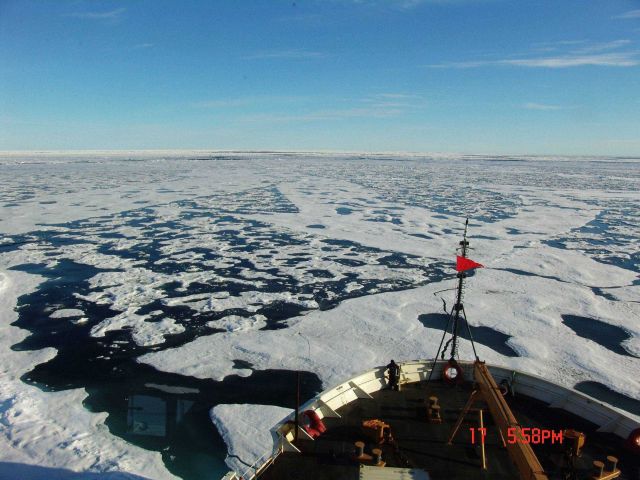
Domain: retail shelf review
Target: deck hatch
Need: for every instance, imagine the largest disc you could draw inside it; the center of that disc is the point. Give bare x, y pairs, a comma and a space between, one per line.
377, 473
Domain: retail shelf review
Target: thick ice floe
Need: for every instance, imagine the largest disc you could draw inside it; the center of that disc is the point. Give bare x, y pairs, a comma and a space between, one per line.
234, 323
66, 313
215, 266
246, 429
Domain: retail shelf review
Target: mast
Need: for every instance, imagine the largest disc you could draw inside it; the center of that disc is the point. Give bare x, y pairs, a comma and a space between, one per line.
452, 371
457, 308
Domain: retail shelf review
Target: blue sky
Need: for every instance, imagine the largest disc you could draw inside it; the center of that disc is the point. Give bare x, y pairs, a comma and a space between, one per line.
473, 76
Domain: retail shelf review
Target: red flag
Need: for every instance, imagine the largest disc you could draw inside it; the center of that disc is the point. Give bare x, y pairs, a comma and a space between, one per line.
463, 264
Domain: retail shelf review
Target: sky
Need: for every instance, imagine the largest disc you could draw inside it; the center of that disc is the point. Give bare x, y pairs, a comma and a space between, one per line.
470, 76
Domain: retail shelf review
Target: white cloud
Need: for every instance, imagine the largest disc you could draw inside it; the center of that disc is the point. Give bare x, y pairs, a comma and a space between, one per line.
561, 54
623, 59
268, 108
393, 100
540, 106
468, 64
143, 45
601, 47
229, 102
410, 4
250, 101
629, 14
567, 60
285, 54
108, 15
407, 4
403, 96
560, 42
328, 114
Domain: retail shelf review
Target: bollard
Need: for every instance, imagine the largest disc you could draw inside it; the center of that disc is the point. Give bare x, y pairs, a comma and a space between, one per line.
597, 464
377, 456
359, 449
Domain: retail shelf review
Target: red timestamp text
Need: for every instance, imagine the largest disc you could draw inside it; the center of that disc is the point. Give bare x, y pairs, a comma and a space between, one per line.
533, 435
522, 435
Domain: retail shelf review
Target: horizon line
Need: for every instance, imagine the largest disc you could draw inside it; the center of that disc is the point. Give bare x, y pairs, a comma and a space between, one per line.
298, 151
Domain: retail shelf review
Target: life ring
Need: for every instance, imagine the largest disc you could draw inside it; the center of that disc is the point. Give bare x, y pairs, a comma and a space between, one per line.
452, 373
633, 441
316, 427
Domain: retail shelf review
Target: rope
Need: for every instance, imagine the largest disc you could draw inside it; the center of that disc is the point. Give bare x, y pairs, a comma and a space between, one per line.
473, 344
435, 359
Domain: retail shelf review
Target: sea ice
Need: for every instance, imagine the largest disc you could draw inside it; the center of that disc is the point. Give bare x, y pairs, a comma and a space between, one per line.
246, 429
176, 246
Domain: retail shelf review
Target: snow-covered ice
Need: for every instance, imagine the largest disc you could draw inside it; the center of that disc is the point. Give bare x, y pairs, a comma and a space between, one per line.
66, 313
246, 429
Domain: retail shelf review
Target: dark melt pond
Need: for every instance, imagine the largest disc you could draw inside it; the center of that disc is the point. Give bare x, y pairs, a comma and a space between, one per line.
343, 211
609, 336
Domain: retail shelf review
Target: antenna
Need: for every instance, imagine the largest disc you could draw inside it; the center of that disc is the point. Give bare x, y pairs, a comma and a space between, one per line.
457, 312
458, 307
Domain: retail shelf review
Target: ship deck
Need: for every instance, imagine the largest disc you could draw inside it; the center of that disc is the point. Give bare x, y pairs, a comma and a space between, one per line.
423, 445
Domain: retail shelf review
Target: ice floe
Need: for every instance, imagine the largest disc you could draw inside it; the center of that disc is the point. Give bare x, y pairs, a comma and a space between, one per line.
245, 429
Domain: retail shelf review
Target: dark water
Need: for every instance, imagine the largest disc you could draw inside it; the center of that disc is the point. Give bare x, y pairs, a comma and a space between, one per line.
608, 237
416, 187
174, 407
